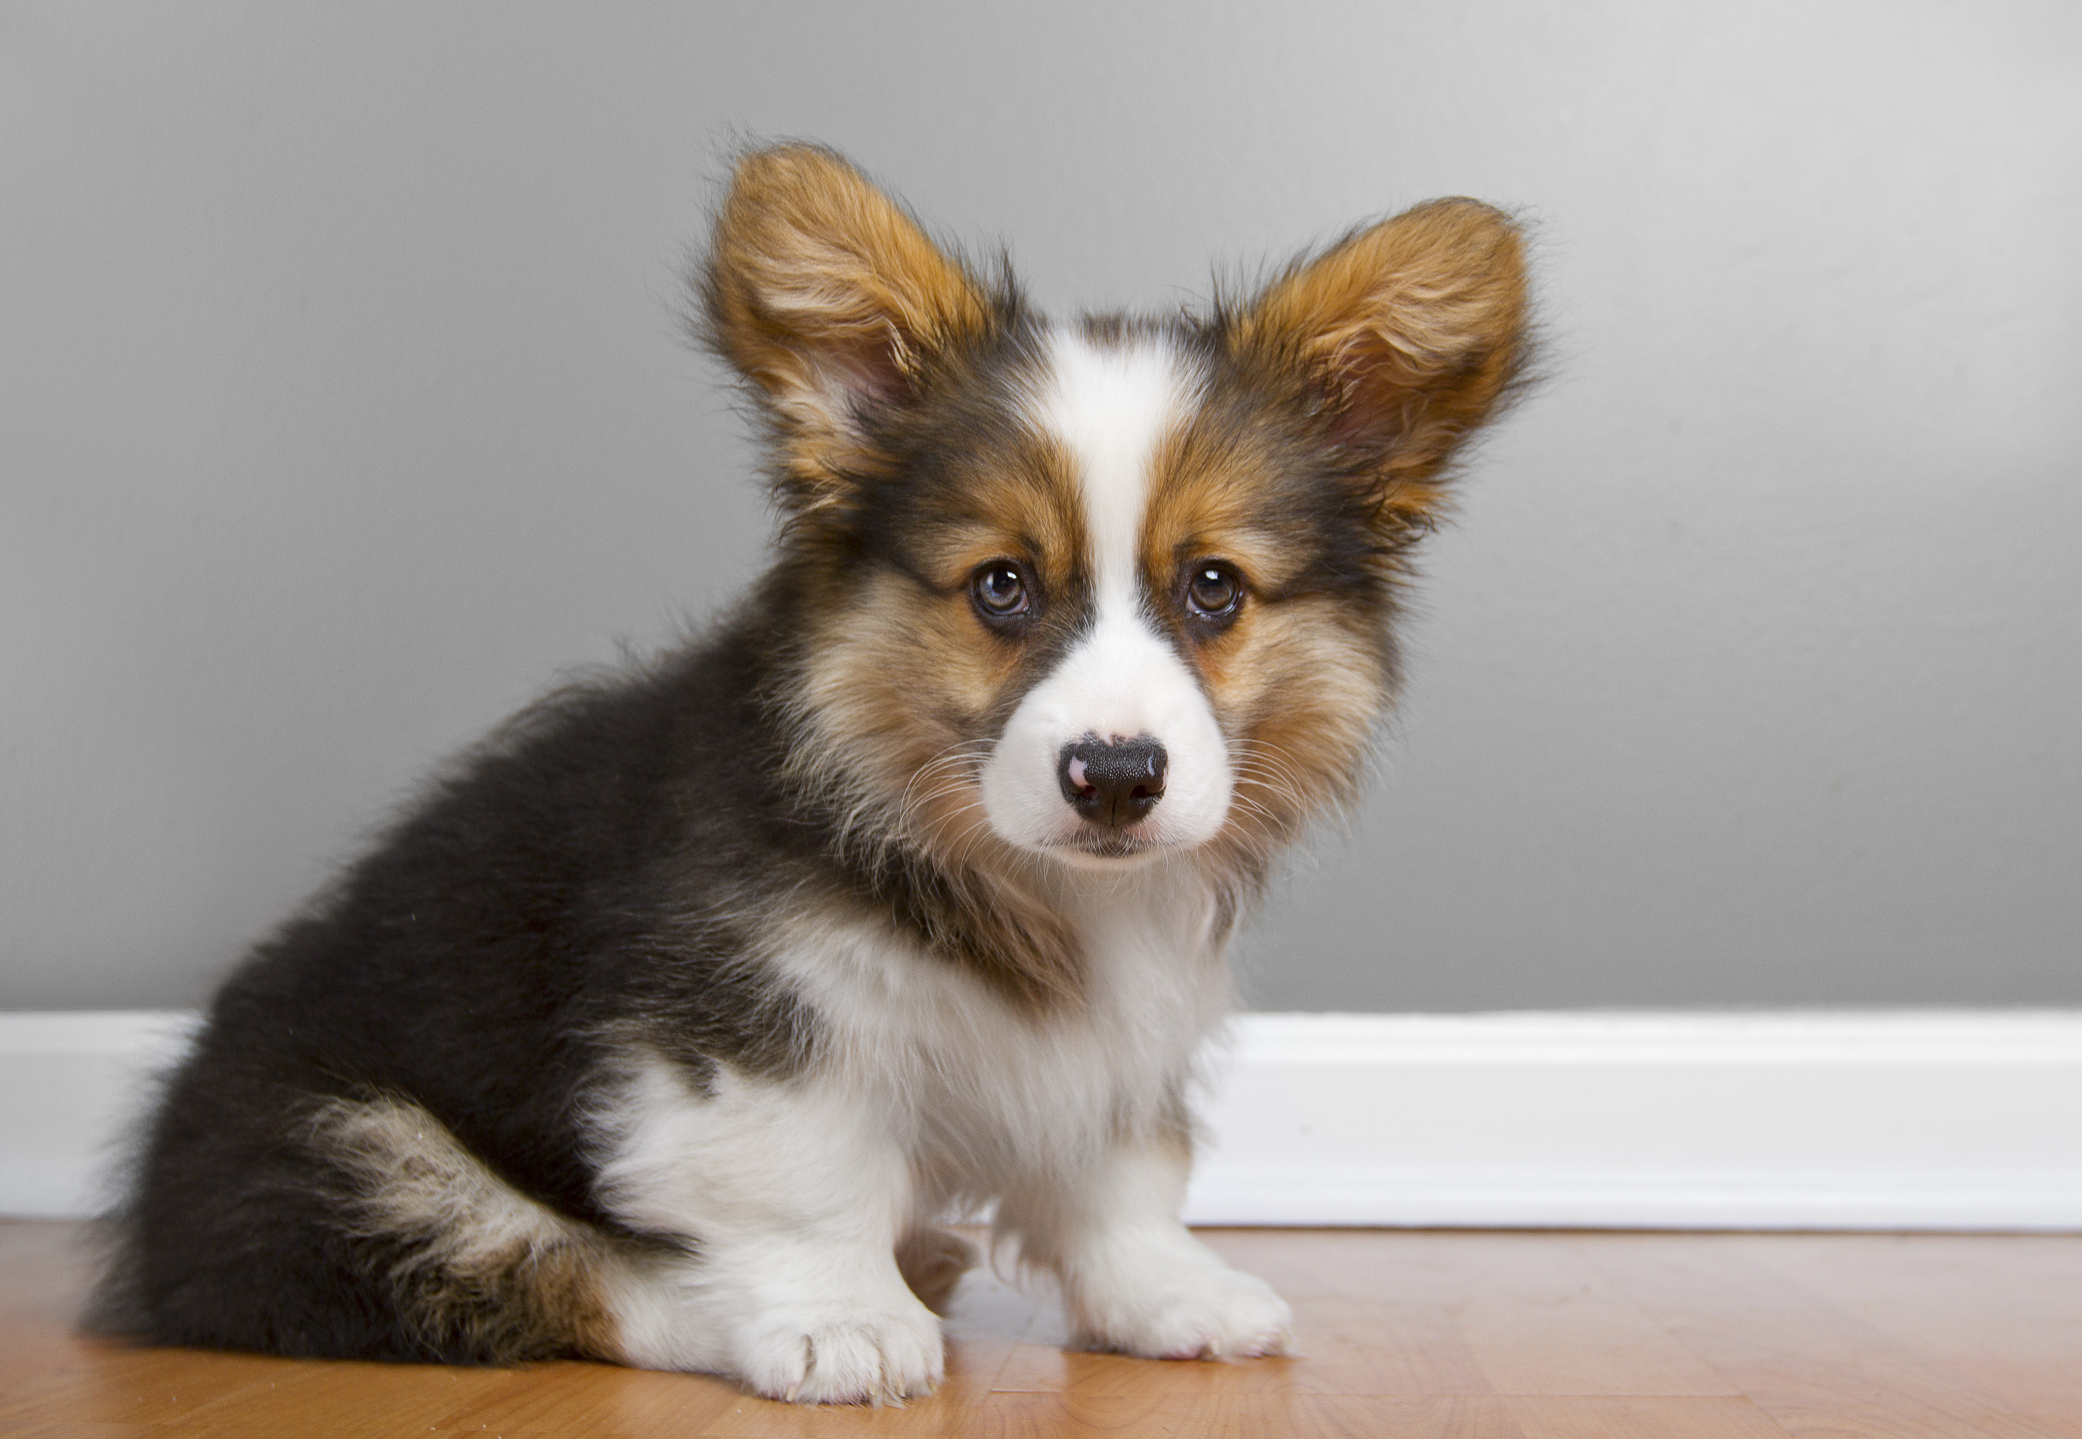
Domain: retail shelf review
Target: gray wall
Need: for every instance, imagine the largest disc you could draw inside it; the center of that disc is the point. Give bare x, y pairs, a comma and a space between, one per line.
341, 407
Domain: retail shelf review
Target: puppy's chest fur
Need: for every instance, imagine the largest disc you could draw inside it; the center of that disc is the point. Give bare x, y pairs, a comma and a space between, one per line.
929, 1090
977, 1091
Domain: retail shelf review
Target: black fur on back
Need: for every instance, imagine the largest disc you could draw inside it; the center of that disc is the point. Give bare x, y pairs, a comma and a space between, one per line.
582, 875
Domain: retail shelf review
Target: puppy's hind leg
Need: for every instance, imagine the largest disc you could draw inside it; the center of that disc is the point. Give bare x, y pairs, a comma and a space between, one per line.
353, 1227
789, 1199
472, 1269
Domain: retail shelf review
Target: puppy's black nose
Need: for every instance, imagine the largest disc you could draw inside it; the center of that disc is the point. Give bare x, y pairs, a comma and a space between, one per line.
1112, 785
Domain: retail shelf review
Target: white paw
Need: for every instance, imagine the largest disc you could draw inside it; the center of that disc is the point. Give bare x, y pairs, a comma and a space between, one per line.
837, 1357
1194, 1312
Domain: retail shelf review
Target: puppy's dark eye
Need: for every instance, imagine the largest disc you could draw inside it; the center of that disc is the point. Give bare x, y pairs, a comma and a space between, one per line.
1000, 591
1213, 590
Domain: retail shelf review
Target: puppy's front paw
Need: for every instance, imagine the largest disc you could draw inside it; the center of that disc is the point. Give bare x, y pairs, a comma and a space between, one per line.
1195, 1311
838, 1357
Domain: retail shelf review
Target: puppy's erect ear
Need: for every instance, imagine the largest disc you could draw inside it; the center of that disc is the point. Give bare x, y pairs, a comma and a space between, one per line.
1407, 336
822, 291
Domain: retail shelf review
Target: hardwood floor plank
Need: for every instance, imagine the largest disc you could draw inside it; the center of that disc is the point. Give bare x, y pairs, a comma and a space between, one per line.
1348, 1346
1348, 1416
2006, 1318
29, 1349
110, 1384
1382, 1346
586, 1401
1651, 1417
1473, 1313
1454, 1335
1205, 1416
1539, 1320
1373, 1314
1813, 1368
1042, 1369
340, 1399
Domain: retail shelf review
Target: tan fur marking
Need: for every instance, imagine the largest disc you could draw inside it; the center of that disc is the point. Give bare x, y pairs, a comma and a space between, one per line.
1414, 330
1020, 505
822, 290
1208, 500
1305, 693
899, 677
897, 689
488, 1271
1300, 692
1299, 682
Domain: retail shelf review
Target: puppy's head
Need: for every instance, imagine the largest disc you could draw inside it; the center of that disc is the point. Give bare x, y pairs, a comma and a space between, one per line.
1102, 590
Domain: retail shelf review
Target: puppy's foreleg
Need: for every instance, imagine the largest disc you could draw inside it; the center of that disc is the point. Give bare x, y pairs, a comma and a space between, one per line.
1133, 1278
789, 1198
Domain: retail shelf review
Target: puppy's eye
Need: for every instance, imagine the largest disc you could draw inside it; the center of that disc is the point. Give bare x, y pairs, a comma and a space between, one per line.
1213, 590
1000, 591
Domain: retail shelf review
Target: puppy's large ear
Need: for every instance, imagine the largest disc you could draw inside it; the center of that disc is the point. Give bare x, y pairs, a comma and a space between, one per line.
1406, 336
824, 293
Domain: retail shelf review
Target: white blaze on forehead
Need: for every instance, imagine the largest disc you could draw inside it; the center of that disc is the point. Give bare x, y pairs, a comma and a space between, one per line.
1111, 406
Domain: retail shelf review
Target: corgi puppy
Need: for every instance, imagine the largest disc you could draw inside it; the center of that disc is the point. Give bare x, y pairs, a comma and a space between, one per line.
670, 1023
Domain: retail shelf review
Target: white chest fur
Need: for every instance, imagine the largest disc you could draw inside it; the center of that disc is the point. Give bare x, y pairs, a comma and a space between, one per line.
983, 1092
929, 1085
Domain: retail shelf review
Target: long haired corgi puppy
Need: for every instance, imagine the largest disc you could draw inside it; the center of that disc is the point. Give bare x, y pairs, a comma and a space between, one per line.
666, 1027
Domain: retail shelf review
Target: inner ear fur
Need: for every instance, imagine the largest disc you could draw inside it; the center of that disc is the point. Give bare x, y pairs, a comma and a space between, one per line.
1407, 337
824, 293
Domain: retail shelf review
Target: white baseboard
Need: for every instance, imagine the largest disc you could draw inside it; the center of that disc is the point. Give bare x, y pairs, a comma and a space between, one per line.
70, 1085
1901, 1120
1951, 1120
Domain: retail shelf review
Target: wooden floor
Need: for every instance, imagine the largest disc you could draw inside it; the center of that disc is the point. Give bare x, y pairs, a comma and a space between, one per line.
1541, 1335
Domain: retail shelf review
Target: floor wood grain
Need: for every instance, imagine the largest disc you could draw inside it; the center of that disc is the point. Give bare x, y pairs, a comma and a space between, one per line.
1427, 1335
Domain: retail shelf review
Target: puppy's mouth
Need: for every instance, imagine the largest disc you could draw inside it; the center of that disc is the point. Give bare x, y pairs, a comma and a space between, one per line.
1109, 848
